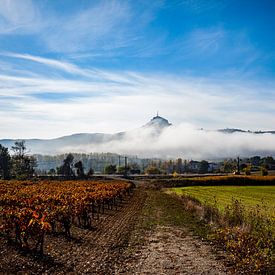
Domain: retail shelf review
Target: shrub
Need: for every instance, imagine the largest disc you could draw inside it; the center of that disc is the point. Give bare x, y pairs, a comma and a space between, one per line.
175, 175
152, 170
247, 236
264, 171
250, 253
247, 171
234, 214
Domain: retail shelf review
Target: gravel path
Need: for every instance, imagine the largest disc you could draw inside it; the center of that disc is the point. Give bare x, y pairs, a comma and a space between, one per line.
170, 250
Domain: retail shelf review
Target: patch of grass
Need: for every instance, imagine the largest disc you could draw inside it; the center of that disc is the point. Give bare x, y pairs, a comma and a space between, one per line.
162, 209
252, 197
239, 222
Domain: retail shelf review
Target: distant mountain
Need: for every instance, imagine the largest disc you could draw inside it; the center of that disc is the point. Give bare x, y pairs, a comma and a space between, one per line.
52, 146
58, 145
101, 142
233, 130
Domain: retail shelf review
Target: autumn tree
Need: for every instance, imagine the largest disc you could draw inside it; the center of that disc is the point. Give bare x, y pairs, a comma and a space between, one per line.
152, 170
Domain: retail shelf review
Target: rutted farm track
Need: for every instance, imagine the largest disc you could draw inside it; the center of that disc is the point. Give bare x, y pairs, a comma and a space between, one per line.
134, 239
169, 250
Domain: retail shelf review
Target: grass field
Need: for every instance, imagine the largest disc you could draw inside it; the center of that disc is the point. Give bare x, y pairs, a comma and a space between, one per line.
250, 196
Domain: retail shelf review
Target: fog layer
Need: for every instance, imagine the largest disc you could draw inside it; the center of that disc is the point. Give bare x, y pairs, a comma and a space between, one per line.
184, 141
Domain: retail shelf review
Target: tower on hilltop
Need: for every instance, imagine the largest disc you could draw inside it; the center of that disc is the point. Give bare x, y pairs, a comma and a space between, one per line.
158, 121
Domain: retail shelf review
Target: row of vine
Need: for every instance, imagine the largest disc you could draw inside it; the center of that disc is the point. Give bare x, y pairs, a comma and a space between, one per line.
29, 209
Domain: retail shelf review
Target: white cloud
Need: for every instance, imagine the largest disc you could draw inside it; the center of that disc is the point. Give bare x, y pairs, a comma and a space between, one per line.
109, 101
95, 74
88, 29
203, 41
183, 141
102, 28
19, 16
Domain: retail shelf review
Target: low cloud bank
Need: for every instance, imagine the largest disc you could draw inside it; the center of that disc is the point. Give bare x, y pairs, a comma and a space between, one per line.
183, 141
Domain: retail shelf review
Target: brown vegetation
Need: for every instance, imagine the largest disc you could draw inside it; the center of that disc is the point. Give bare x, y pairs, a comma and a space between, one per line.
248, 237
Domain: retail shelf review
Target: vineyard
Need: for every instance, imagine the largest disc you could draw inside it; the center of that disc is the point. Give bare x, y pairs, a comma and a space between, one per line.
107, 227
31, 209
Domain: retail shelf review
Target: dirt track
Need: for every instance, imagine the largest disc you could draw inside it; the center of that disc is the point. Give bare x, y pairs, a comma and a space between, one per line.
171, 251
121, 243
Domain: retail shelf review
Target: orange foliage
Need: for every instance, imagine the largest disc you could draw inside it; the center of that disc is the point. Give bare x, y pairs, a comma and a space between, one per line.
29, 209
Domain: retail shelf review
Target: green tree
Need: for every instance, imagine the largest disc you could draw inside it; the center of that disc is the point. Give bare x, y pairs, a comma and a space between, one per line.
79, 169
247, 170
52, 172
264, 171
67, 168
22, 164
90, 172
110, 169
5, 163
229, 166
203, 167
268, 162
121, 169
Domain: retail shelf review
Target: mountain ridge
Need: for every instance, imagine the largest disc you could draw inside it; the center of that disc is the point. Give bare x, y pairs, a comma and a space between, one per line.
91, 140
52, 146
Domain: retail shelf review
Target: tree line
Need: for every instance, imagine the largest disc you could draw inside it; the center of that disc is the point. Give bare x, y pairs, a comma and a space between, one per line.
71, 170
20, 165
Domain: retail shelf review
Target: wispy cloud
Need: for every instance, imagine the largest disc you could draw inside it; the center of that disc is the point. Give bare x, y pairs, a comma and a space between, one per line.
102, 28
98, 100
62, 65
88, 29
203, 41
201, 6
19, 16
118, 32
110, 65
95, 74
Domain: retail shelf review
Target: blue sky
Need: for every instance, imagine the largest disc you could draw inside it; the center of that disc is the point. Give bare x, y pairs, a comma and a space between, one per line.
106, 66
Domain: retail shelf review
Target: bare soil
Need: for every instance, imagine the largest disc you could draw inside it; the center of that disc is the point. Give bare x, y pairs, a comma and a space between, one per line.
169, 250
147, 234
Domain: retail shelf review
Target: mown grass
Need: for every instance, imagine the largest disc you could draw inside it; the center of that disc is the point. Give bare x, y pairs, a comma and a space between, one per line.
262, 197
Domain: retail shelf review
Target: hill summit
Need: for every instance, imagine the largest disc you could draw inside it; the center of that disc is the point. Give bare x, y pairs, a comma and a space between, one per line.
158, 122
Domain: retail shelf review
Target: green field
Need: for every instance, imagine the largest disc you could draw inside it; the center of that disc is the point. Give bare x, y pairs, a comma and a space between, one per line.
250, 196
